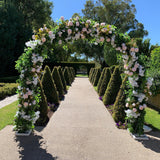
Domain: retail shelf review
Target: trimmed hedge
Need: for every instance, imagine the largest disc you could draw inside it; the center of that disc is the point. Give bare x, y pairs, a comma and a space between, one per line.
97, 75
50, 87
67, 76
100, 80
71, 74
93, 75
113, 87
43, 107
7, 89
12, 79
57, 80
105, 81
119, 105
112, 68
62, 78
90, 74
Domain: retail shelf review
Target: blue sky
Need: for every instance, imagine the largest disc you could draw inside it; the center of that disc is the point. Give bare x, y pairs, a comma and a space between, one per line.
148, 12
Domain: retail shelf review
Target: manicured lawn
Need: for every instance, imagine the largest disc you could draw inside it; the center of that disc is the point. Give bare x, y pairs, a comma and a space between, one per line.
7, 114
152, 118
81, 75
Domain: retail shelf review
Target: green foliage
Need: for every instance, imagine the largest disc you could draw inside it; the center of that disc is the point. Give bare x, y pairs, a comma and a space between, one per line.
93, 75
58, 82
49, 87
7, 89
110, 55
90, 74
105, 81
112, 88
71, 73
62, 78
119, 105
43, 107
12, 79
155, 58
100, 80
97, 75
67, 76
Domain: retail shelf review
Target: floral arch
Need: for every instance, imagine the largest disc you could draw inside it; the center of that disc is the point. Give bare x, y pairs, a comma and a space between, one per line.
30, 64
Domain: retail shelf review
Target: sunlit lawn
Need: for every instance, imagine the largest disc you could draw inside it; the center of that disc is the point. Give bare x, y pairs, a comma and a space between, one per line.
81, 75
7, 114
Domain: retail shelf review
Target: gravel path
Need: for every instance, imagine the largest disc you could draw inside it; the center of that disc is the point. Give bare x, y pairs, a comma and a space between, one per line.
81, 129
8, 101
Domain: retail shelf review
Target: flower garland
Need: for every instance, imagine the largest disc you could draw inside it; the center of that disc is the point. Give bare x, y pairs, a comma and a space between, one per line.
30, 65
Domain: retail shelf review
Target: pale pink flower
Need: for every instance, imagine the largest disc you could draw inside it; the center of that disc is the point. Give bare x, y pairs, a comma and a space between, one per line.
124, 48
43, 39
38, 70
125, 66
103, 24
134, 69
77, 24
28, 82
133, 104
19, 105
130, 73
88, 21
70, 23
69, 31
30, 93
127, 104
108, 40
60, 42
110, 32
136, 49
141, 107
60, 34
132, 49
84, 29
144, 105
82, 36
25, 104
102, 39
134, 110
33, 37
77, 18
50, 32
25, 96
33, 69
62, 18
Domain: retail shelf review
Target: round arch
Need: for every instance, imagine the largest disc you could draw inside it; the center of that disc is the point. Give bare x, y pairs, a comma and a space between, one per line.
30, 64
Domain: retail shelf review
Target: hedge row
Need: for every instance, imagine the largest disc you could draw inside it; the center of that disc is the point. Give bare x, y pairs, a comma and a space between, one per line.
94, 75
52, 89
7, 89
111, 89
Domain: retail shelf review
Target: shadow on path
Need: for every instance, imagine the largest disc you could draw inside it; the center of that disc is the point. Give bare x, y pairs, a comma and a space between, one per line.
154, 142
30, 148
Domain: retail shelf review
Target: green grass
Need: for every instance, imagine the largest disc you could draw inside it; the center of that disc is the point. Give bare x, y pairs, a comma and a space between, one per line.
95, 88
81, 75
7, 114
152, 118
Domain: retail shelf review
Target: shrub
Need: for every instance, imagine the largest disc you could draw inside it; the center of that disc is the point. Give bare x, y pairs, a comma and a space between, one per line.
7, 89
100, 80
49, 87
67, 76
62, 78
90, 74
112, 88
71, 74
119, 105
105, 81
93, 75
97, 75
43, 107
57, 80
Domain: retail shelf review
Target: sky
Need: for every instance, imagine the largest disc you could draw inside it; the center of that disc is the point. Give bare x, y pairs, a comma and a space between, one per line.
148, 13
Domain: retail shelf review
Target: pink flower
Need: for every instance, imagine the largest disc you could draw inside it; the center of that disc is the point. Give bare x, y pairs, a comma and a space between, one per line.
60, 34
50, 32
88, 21
127, 104
110, 32
69, 31
77, 24
134, 110
125, 66
84, 29
60, 42
108, 40
141, 107
103, 24
133, 104
62, 18
33, 69
102, 39
132, 49
30, 93
130, 73
136, 65
70, 23
43, 39
19, 105
25, 104
77, 18
134, 69
82, 36
124, 48
25, 96
144, 105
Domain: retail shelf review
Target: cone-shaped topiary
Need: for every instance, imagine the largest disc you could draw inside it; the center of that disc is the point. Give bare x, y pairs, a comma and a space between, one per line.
93, 75
105, 81
62, 78
100, 80
57, 80
112, 68
67, 76
49, 87
71, 73
119, 105
43, 107
90, 73
97, 75
112, 88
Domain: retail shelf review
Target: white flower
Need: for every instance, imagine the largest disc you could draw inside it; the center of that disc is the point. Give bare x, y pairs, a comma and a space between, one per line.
131, 114
132, 82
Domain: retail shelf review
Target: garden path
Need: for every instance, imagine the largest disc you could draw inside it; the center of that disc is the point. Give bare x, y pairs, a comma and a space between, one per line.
81, 129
